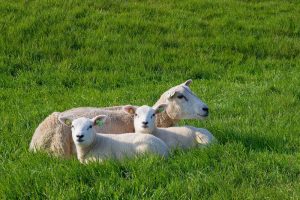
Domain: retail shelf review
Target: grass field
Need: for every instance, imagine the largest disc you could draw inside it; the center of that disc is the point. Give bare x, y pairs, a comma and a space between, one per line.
243, 57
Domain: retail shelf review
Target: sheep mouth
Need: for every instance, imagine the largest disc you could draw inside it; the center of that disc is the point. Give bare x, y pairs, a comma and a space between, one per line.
144, 126
206, 115
80, 140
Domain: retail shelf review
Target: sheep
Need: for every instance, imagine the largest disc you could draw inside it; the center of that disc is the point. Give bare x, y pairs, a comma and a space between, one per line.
48, 137
92, 146
182, 104
54, 137
175, 137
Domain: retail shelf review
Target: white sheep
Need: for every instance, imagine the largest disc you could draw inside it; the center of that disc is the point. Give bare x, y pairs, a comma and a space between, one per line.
54, 137
92, 146
175, 137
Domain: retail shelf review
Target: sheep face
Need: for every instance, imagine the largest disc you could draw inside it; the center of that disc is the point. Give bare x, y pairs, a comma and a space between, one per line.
83, 132
184, 104
144, 117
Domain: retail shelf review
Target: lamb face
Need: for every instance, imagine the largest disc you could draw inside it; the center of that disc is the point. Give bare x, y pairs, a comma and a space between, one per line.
184, 104
144, 117
82, 131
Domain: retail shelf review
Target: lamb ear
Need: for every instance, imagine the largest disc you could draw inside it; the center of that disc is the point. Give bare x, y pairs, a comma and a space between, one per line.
99, 120
160, 108
187, 83
65, 121
129, 109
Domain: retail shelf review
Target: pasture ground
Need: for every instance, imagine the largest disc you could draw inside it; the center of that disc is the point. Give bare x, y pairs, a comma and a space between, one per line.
244, 58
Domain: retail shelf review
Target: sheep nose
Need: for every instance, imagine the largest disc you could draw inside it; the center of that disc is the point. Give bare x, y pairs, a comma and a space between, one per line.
145, 123
79, 136
205, 109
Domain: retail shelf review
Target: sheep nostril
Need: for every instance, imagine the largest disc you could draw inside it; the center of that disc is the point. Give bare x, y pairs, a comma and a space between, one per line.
205, 109
145, 123
79, 136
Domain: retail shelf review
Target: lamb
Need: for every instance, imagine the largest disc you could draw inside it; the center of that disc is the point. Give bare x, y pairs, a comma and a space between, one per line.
92, 146
175, 137
54, 137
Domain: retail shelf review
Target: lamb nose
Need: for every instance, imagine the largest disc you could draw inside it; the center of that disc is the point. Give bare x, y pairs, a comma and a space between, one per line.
205, 109
145, 123
79, 136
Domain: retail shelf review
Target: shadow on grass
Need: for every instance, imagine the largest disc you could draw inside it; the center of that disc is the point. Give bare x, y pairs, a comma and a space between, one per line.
257, 141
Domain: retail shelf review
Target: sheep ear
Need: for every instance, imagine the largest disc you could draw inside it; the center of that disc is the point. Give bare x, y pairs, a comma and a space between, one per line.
99, 120
187, 83
129, 109
65, 121
161, 108
171, 94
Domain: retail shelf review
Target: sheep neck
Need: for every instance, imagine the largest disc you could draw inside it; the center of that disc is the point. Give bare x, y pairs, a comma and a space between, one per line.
155, 131
84, 151
164, 120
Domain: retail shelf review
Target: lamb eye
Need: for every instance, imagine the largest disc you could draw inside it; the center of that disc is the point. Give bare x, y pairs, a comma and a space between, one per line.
153, 115
72, 126
135, 115
90, 127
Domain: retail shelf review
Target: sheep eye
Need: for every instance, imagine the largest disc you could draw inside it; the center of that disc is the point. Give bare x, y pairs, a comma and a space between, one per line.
135, 114
181, 96
72, 126
90, 127
153, 115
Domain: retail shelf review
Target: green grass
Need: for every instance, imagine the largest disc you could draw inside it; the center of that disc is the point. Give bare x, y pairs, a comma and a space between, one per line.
244, 58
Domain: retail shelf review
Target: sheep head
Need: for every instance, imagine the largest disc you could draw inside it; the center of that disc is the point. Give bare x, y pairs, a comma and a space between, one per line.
183, 103
144, 117
83, 132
